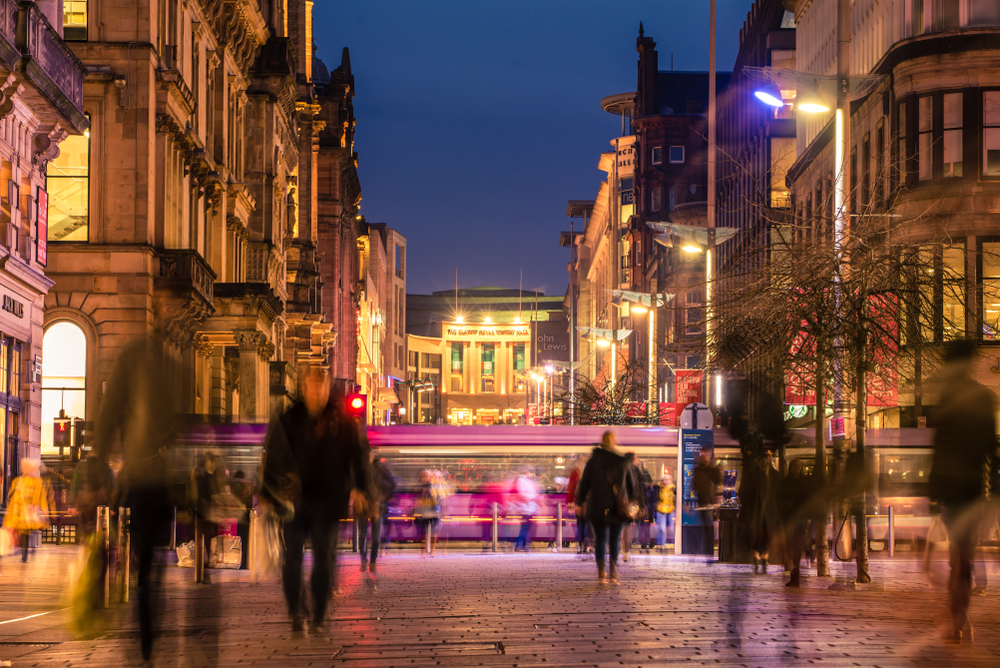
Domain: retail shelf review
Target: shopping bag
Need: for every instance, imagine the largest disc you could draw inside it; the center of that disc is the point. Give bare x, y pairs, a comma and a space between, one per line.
8, 542
185, 555
86, 584
226, 552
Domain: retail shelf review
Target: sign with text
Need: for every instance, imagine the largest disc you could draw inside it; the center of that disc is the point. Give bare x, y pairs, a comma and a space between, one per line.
692, 443
551, 342
486, 332
687, 389
42, 227
625, 148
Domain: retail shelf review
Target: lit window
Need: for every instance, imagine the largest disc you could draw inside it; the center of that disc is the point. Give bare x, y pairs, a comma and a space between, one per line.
991, 291
676, 154
64, 375
68, 186
75, 20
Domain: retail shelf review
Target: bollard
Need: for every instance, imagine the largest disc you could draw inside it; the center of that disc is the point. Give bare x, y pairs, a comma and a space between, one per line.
104, 533
251, 545
559, 527
173, 531
124, 553
493, 532
892, 532
199, 553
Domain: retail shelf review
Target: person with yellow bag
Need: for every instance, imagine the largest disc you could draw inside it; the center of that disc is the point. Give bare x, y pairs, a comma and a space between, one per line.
29, 504
664, 513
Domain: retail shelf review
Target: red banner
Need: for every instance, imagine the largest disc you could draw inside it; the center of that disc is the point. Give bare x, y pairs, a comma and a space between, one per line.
800, 377
883, 384
688, 390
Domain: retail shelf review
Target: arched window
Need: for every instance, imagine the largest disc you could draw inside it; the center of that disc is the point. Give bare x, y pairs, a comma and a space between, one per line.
64, 376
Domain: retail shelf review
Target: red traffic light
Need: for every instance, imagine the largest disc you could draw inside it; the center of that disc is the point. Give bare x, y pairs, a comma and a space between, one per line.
357, 404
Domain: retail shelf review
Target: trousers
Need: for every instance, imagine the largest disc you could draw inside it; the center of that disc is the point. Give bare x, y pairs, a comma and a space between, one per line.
321, 527
362, 523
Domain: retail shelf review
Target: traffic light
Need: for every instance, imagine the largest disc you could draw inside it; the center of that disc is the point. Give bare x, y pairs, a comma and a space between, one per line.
60, 434
83, 435
357, 405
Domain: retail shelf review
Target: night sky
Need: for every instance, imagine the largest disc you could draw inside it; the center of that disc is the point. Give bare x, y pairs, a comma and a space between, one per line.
478, 120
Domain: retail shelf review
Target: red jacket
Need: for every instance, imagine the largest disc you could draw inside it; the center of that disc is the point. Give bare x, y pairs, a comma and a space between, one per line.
574, 479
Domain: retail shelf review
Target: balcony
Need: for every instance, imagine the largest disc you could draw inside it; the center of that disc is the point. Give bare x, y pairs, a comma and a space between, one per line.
50, 74
185, 271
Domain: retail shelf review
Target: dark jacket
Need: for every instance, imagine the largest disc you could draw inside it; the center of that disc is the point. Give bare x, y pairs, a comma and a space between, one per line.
964, 439
327, 455
383, 483
202, 486
599, 482
794, 497
704, 478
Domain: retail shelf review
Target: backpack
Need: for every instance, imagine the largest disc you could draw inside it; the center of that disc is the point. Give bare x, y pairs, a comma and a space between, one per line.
665, 501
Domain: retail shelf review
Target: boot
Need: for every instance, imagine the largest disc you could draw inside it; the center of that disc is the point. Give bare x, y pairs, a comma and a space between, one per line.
795, 579
613, 574
601, 577
763, 564
756, 565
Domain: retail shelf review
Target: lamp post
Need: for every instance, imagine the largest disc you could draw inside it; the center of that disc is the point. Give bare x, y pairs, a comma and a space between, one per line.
647, 303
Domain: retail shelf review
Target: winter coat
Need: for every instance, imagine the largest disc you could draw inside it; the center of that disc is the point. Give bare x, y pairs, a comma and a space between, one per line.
704, 478
574, 482
326, 454
758, 508
384, 485
794, 496
964, 439
596, 491
29, 504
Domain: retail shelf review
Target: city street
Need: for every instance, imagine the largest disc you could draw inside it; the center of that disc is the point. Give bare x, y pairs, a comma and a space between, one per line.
463, 608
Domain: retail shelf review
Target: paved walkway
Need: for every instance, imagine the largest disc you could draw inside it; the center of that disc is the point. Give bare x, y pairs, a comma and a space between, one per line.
538, 609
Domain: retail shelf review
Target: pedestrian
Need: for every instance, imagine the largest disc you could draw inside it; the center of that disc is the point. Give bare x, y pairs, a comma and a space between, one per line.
203, 488
794, 494
604, 476
571, 502
758, 509
139, 406
525, 504
384, 487
243, 491
314, 457
704, 478
664, 510
427, 510
963, 442
30, 504
646, 527
628, 525
91, 486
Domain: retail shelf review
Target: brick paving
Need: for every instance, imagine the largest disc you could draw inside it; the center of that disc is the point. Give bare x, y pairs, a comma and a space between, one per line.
465, 608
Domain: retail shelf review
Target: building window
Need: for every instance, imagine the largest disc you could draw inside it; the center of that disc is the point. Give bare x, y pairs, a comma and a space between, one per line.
991, 291
64, 375
456, 357
925, 136
880, 175
916, 17
657, 155
984, 12
676, 154
945, 14
68, 185
991, 133
952, 135
655, 197
487, 368
413, 359
399, 261
75, 20
672, 199
519, 358
902, 143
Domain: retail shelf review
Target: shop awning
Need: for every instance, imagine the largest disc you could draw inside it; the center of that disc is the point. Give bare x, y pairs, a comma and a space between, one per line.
387, 394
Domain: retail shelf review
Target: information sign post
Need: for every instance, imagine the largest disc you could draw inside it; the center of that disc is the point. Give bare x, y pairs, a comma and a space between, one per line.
691, 441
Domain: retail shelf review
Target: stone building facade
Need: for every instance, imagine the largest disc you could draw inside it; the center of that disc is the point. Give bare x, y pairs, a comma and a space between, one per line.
198, 218
41, 114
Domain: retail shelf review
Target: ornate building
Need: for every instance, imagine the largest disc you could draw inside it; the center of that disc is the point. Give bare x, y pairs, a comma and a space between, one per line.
196, 204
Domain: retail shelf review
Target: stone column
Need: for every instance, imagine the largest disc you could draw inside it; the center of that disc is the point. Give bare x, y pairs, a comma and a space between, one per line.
250, 380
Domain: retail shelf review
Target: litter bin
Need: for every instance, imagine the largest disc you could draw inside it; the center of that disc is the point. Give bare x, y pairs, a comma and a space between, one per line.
731, 549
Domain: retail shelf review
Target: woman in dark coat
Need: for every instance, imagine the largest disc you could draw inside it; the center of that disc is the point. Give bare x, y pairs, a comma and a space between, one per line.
597, 495
794, 494
758, 509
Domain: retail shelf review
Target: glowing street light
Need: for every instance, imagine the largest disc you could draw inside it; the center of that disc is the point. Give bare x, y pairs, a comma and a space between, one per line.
770, 95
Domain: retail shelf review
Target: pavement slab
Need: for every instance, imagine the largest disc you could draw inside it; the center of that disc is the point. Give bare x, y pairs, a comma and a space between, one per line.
537, 609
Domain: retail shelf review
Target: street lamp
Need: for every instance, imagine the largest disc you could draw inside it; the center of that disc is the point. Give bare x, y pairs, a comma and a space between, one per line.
639, 303
604, 338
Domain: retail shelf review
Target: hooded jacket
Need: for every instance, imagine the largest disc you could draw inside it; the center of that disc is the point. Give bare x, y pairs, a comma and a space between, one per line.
596, 490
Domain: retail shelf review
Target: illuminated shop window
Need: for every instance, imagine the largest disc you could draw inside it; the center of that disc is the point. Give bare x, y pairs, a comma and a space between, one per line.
991, 291
68, 186
75, 20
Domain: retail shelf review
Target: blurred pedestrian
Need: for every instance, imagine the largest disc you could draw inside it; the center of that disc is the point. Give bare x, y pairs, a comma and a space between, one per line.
314, 458
705, 476
203, 487
571, 502
646, 524
384, 487
963, 441
30, 504
758, 509
794, 495
427, 509
628, 525
524, 503
603, 478
664, 494
139, 405
243, 491
91, 486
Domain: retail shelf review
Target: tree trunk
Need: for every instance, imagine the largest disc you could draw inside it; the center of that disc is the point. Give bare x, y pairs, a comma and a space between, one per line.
819, 470
860, 426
